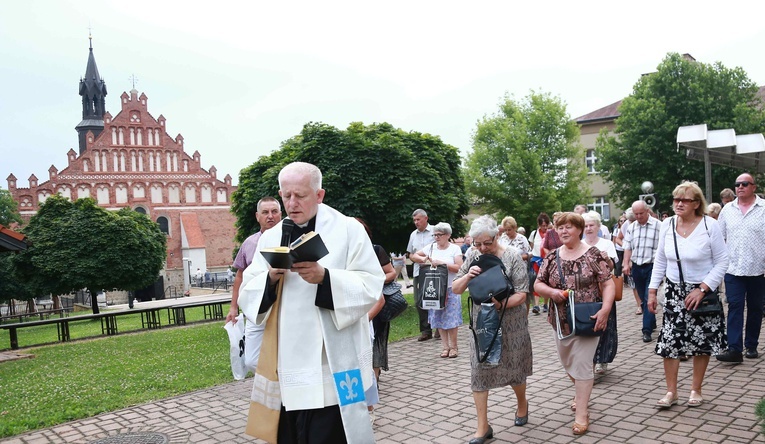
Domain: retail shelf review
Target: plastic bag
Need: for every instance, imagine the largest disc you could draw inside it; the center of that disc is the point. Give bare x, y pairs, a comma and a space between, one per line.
489, 332
236, 350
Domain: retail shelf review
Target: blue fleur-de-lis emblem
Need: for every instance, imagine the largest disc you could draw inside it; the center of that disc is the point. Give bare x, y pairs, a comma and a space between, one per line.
349, 387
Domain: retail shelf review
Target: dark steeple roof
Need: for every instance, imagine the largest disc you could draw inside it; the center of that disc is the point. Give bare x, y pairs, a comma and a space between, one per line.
93, 92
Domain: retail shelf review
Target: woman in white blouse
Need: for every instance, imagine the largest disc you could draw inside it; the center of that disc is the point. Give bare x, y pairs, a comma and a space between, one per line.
704, 259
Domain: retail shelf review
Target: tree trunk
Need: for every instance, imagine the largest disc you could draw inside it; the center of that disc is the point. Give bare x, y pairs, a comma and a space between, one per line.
31, 306
94, 300
11, 307
56, 302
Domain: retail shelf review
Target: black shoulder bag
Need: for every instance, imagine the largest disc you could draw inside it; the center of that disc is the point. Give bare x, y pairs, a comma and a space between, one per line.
495, 285
579, 314
710, 303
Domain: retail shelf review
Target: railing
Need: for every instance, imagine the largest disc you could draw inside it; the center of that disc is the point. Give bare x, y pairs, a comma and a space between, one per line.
172, 292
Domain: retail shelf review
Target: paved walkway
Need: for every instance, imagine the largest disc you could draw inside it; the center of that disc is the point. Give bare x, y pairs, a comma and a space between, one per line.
426, 399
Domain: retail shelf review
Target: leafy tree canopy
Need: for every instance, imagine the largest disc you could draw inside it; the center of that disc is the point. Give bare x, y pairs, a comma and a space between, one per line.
681, 92
78, 245
526, 159
376, 172
9, 209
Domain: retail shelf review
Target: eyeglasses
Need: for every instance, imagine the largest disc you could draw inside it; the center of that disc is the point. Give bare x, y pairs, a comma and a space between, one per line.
485, 244
684, 201
744, 184
439, 234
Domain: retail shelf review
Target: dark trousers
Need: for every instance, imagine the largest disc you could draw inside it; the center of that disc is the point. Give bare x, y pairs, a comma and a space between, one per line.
422, 314
744, 292
316, 426
641, 274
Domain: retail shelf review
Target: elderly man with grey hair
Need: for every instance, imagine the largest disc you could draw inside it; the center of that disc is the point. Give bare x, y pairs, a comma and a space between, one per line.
640, 244
420, 237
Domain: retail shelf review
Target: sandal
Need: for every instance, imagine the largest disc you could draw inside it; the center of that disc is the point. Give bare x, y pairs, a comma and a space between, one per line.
695, 399
581, 429
445, 353
639, 311
667, 401
453, 353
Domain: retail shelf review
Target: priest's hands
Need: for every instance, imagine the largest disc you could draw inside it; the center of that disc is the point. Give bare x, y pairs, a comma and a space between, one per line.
311, 272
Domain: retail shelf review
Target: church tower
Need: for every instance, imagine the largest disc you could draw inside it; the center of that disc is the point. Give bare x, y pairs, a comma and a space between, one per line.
93, 92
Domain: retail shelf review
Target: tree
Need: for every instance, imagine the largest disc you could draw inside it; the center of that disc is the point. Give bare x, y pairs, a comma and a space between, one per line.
78, 245
376, 172
526, 159
9, 209
681, 92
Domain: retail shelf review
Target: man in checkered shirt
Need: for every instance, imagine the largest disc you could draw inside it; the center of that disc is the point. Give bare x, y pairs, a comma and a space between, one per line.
640, 244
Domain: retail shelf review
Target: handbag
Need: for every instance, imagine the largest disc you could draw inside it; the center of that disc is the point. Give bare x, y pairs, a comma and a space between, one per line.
492, 282
710, 303
488, 328
619, 283
578, 313
395, 304
433, 286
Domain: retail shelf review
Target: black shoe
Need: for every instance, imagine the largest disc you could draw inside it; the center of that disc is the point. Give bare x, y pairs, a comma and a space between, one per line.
731, 356
410, 286
752, 353
522, 420
647, 337
437, 335
425, 336
489, 435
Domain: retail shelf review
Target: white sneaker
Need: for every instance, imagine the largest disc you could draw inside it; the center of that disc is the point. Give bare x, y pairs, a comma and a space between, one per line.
372, 417
600, 369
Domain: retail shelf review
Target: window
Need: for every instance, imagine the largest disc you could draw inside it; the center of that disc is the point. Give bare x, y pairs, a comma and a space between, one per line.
163, 224
140, 210
590, 159
601, 205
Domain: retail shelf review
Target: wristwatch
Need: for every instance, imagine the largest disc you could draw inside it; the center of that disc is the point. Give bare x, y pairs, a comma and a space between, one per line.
703, 290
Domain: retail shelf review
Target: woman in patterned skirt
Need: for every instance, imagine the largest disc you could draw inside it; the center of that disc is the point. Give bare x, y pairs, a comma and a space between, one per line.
516, 360
704, 259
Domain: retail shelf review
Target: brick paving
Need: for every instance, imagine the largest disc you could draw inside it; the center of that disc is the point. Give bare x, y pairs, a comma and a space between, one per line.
426, 399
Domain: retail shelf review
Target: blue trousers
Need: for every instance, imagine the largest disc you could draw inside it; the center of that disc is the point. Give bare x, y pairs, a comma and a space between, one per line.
744, 292
641, 274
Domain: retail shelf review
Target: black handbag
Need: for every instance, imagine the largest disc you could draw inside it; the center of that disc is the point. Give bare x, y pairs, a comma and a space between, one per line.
710, 304
578, 313
395, 304
492, 282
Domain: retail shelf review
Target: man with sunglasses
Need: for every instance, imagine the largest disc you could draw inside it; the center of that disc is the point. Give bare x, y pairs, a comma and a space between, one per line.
743, 226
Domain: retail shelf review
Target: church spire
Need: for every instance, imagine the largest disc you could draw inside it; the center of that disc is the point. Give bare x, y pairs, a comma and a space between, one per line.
93, 92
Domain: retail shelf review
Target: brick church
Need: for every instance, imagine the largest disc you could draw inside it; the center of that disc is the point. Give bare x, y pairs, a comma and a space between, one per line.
129, 160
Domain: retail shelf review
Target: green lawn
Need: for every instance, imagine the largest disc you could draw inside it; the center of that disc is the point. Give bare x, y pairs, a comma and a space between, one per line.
79, 379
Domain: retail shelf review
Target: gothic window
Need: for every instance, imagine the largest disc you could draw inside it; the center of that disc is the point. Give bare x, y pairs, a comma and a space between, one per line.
132, 136
185, 165
114, 135
169, 161
173, 194
156, 194
156, 136
139, 192
42, 196
134, 118
102, 195
104, 160
222, 195
151, 136
115, 156
140, 161
122, 161
85, 165
159, 159
151, 161
96, 161
175, 161
83, 192
164, 225
206, 193
133, 165
191, 194
140, 210
121, 137
140, 136
65, 192
121, 194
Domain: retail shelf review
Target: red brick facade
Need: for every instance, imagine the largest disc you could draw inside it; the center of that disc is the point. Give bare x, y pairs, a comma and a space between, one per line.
134, 163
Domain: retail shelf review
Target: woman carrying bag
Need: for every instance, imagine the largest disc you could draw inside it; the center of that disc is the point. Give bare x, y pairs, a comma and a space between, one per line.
694, 275
584, 270
515, 363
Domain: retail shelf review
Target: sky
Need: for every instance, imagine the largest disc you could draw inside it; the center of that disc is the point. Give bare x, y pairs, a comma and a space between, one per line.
237, 78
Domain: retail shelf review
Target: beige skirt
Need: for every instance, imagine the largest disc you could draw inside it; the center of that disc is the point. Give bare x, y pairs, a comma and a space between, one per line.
576, 355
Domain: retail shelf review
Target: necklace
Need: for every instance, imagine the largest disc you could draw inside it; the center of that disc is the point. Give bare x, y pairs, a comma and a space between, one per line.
685, 230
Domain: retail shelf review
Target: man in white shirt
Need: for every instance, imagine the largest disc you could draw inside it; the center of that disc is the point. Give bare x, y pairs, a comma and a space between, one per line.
743, 226
640, 244
420, 237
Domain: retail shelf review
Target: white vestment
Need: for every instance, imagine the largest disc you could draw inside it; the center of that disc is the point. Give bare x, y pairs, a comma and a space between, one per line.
305, 377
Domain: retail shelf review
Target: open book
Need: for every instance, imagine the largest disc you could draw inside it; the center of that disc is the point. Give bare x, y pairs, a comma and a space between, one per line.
307, 248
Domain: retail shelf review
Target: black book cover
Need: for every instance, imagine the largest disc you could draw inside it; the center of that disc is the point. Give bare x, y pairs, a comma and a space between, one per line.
307, 248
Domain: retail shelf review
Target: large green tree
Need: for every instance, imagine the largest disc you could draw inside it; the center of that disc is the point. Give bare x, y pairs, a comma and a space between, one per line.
78, 245
9, 209
681, 92
526, 159
376, 172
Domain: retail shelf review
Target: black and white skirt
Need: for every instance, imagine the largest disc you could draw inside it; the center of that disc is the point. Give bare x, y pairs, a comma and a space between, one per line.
684, 334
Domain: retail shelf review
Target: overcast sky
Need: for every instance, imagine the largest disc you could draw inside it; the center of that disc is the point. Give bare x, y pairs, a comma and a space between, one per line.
238, 78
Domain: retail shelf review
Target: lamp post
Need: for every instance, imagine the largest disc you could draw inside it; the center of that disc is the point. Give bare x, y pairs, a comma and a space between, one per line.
186, 274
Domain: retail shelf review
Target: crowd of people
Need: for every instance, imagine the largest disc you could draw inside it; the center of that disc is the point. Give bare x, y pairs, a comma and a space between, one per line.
684, 267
